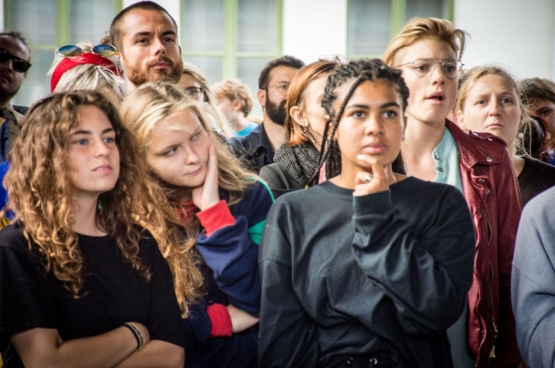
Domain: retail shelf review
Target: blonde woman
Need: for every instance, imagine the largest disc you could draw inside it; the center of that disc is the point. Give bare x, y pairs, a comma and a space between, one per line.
81, 285
428, 52
224, 208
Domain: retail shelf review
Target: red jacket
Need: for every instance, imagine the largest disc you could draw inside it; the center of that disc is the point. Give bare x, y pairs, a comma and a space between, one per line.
491, 190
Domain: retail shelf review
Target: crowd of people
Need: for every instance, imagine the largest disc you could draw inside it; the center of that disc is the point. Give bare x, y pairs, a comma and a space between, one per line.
391, 212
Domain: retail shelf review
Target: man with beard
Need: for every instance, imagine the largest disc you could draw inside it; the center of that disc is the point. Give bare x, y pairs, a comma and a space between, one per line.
146, 36
258, 148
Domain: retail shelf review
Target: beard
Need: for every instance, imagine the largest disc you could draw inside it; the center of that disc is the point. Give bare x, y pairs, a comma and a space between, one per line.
275, 112
138, 75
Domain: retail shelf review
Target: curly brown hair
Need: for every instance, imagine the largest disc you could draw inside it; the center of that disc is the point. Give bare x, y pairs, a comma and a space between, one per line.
41, 191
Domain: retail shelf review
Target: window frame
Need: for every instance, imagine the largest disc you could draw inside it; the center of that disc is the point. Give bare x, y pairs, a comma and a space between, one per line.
229, 54
397, 21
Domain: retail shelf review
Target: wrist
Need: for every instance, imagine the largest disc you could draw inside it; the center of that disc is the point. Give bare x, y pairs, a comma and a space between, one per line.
139, 337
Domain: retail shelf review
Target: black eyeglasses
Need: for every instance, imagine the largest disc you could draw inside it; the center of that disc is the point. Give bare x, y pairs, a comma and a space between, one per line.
18, 64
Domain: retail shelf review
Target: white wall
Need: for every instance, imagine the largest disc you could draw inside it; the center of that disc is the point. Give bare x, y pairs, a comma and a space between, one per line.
314, 28
517, 34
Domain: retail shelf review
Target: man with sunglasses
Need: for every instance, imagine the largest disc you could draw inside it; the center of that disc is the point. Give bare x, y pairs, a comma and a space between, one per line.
146, 36
258, 148
14, 63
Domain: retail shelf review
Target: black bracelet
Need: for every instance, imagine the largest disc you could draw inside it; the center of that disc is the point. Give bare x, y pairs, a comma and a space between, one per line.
137, 333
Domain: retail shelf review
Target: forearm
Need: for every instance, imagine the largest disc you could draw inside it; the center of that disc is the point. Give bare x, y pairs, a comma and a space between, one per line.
156, 353
421, 275
40, 348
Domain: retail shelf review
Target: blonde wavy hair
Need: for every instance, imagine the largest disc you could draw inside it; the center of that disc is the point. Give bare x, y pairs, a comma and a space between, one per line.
41, 191
419, 28
149, 105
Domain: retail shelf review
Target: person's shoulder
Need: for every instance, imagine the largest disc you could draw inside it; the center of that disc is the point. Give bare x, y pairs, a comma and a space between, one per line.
12, 236
541, 205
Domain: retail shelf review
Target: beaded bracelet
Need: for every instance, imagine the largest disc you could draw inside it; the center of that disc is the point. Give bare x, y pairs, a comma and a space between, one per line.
137, 333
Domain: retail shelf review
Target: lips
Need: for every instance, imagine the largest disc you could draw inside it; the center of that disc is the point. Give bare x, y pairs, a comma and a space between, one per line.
6, 77
194, 172
374, 148
436, 96
103, 169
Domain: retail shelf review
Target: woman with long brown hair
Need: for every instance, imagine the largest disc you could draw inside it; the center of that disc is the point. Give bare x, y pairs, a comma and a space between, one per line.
81, 284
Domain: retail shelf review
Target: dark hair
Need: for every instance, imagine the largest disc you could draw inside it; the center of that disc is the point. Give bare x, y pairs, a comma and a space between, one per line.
533, 133
359, 70
285, 60
294, 132
533, 88
115, 32
18, 36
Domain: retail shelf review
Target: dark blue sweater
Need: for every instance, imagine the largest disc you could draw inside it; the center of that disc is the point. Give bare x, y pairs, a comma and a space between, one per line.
231, 277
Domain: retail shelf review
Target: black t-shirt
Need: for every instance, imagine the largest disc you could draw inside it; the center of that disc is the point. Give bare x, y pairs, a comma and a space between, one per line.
536, 177
115, 294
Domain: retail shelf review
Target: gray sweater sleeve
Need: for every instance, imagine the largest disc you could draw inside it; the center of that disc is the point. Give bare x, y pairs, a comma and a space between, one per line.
533, 282
287, 334
426, 275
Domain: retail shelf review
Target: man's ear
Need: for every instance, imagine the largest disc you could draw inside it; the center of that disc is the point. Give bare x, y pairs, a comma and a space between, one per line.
261, 97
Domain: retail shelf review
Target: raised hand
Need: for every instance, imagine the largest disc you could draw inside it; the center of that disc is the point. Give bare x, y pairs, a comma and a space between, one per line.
379, 177
207, 195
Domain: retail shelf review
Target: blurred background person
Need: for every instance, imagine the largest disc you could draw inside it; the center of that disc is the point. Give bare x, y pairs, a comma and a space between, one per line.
234, 100
296, 161
539, 95
195, 85
258, 148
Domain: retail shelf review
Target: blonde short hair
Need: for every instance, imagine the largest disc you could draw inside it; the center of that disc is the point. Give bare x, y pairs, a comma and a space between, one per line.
418, 28
234, 89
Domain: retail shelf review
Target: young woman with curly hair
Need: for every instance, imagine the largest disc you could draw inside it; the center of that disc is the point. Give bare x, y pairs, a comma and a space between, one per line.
223, 209
358, 270
80, 283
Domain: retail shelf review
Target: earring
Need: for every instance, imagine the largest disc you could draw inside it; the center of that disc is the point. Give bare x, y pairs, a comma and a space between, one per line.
304, 131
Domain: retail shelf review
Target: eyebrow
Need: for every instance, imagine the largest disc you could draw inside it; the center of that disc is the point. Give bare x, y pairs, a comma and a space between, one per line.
386, 105
88, 132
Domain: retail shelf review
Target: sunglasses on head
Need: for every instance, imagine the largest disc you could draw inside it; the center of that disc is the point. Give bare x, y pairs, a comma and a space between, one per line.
74, 50
18, 64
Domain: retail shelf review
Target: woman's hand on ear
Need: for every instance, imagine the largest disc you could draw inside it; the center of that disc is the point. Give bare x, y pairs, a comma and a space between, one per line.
207, 195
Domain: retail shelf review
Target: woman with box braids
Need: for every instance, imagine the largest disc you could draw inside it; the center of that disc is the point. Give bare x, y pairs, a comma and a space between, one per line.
405, 246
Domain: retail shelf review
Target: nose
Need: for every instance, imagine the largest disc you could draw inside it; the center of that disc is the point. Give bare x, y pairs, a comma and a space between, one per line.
494, 107
160, 47
7, 64
102, 148
191, 156
373, 125
437, 74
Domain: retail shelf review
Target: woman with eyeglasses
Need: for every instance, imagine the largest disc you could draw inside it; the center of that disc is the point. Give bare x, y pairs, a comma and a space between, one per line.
296, 161
195, 85
84, 66
428, 53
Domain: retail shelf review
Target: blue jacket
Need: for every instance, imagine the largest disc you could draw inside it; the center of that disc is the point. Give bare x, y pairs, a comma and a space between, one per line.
231, 277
